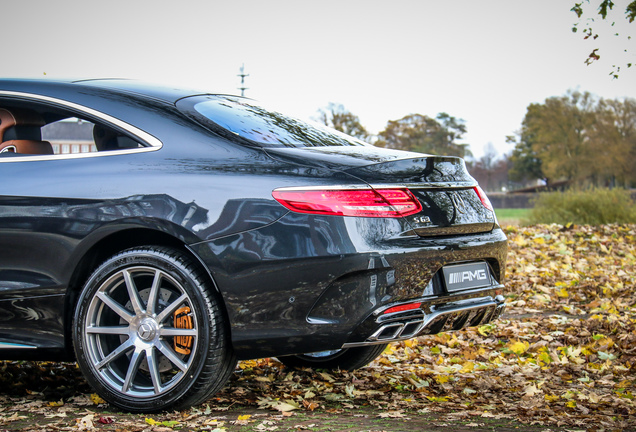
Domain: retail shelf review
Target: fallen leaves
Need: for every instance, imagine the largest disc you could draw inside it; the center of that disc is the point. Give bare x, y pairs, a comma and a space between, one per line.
282, 406
85, 423
564, 354
13, 417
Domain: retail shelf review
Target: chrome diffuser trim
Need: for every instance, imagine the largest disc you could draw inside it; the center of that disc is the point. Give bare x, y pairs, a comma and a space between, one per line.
455, 318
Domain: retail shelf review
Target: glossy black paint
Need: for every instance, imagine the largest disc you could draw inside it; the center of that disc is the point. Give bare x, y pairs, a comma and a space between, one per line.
290, 282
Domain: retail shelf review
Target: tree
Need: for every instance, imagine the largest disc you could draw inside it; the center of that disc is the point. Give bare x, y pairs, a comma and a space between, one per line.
420, 133
577, 138
341, 119
590, 27
491, 170
526, 164
557, 133
613, 142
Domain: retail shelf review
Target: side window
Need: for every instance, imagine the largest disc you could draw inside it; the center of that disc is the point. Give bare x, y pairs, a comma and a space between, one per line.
35, 129
74, 135
71, 135
107, 139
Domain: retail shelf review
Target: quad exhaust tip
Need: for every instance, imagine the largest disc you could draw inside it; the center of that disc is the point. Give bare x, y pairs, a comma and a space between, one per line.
439, 320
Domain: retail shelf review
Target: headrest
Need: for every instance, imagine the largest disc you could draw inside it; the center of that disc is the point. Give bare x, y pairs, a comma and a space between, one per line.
20, 124
108, 139
103, 137
33, 133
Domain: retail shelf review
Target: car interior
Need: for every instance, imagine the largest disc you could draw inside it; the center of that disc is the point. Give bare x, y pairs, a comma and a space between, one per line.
22, 129
20, 132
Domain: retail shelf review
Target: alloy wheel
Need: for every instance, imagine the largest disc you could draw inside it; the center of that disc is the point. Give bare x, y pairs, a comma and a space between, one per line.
140, 332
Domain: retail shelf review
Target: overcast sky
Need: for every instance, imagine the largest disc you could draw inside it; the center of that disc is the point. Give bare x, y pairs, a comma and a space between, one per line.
482, 61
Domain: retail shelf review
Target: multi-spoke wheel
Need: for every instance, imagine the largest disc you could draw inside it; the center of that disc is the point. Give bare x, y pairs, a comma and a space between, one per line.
149, 333
346, 358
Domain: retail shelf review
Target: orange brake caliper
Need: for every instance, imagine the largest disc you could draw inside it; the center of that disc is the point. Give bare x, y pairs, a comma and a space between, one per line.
183, 320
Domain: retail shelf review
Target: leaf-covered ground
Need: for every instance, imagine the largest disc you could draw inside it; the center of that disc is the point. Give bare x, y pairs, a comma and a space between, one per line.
563, 356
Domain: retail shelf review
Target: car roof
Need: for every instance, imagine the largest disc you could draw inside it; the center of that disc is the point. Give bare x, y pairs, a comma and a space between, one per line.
165, 93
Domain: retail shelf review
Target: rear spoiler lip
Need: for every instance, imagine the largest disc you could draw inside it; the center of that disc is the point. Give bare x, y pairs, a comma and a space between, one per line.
421, 185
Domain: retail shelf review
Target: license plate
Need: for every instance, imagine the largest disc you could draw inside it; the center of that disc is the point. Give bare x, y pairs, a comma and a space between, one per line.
467, 276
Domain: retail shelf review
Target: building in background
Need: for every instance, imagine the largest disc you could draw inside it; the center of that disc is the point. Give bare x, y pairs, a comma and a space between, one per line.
70, 136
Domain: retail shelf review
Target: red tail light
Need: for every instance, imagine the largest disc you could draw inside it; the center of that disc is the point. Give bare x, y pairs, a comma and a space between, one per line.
402, 308
483, 198
350, 202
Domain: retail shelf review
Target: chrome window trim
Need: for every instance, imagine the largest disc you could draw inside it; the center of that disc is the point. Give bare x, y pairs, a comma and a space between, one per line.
154, 143
423, 185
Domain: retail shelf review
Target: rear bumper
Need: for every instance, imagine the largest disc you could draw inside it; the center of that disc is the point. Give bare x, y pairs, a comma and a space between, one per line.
308, 283
429, 319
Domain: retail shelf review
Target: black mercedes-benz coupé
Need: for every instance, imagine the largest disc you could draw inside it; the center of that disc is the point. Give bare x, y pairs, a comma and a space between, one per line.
157, 235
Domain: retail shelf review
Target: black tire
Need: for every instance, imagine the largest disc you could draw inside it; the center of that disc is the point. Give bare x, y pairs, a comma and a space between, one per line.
150, 333
344, 359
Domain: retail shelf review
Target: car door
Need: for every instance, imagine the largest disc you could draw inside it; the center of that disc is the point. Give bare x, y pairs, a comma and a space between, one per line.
48, 205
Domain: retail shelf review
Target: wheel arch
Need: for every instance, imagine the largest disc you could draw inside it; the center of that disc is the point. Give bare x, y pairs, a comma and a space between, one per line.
108, 246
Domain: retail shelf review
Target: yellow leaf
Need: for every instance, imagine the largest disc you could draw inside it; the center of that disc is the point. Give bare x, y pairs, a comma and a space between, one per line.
151, 422
551, 398
244, 417
57, 404
246, 364
96, 399
571, 404
467, 367
442, 378
410, 343
545, 358
485, 330
563, 293
437, 399
518, 347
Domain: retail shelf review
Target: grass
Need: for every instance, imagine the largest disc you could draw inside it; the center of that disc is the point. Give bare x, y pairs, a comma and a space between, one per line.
584, 207
512, 216
580, 207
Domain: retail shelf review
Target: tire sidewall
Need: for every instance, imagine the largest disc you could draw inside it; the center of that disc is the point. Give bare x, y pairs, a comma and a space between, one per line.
345, 359
207, 333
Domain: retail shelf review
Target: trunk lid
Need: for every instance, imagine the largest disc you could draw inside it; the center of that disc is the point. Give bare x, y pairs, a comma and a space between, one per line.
450, 203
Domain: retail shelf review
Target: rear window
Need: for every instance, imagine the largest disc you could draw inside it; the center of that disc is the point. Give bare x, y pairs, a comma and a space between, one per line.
246, 119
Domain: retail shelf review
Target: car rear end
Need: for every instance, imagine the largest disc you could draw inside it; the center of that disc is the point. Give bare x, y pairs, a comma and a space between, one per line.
443, 270
376, 245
